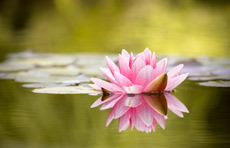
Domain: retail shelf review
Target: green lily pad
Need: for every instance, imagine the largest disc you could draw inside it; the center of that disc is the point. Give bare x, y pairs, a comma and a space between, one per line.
9, 67
214, 61
46, 61
86, 59
95, 71
10, 75
31, 77
216, 83
26, 54
59, 71
208, 78
65, 90
223, 71
43, 85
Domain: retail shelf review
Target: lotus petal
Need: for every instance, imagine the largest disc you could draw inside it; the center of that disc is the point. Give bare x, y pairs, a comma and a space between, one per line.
111, 102
133, 101
124, 66
145, 113
160, 67
110, 117
120, 108
124, 121
113, 67
107, 73
175, 71
145, 76
174, 103
122, 80
136, 67
174, 82
153, 61
109, 86
160, 119
135, 89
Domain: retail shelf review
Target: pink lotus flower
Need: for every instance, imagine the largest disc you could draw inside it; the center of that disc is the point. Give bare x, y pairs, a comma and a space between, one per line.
141, 111
139, 74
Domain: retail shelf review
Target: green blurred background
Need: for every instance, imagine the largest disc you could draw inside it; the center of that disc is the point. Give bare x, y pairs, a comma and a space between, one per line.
187, 27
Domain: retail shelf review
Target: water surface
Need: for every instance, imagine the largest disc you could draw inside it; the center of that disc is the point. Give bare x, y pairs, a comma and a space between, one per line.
44, 120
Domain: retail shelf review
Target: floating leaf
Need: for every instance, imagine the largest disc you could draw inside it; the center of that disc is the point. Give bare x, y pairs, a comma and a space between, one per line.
201, 66
208, 78
216, 83
86, 59
92, 71
44, 78
26, 54
11, 75
65, 90
43, 85
8, 67
52, 60
213, 61
62, 71
200, 70
223, 71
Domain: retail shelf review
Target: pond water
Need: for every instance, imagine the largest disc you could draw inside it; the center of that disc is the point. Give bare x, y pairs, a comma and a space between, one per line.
42, 120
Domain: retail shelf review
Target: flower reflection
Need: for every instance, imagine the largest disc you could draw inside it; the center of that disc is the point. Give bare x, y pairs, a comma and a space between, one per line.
141, 111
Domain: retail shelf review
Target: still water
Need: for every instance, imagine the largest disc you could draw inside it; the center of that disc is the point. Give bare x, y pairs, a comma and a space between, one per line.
46, 120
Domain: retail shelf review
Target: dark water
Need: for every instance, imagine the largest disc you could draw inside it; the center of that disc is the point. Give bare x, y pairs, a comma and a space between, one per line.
43, 120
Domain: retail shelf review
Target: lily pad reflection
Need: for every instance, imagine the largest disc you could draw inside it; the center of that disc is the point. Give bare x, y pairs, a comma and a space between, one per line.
141, 111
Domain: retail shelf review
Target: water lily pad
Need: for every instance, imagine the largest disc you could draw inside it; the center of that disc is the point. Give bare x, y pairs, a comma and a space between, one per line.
45, 61
14, 75
201, 70
216, 83
208, 78
203, 66
5, 75
91, 61
223, 71
26, 54
79, 79
31, 77
9, 67
65, 90
43, 85
85, 59
62, 71
91, 71
70, 70
214, 61
174, 59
